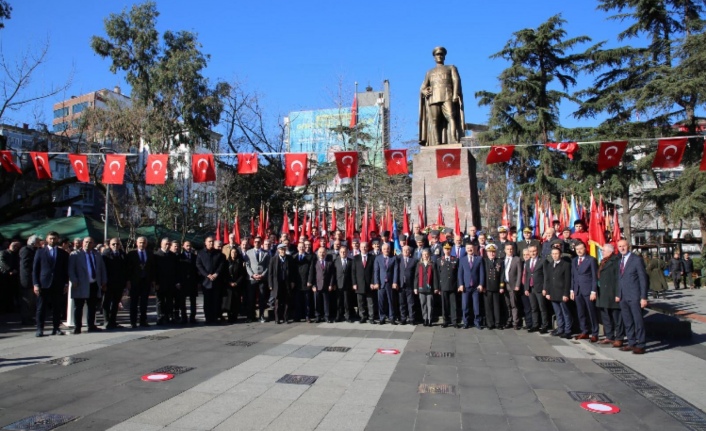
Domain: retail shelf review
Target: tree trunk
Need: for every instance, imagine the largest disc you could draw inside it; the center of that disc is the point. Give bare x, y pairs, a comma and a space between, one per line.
625, 216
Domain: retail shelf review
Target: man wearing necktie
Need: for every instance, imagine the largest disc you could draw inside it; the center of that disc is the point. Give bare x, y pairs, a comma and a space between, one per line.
88, 279
471, 276
303, 296
322, 279
632, 297
257, 265
584, 286
362, 276
116, 268
50, 275
513, 283
385, 277
344, 297
534, 286
140, 280
407, 267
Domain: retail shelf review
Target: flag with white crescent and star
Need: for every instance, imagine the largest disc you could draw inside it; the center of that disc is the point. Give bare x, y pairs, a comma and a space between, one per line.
499, 154
41, 165
347, 164
448, 162
295, 169
669, 153
247, 163
203, 169
610, 154
156, 169
114, 169
396, 161
7, 162
80, 164
568, 148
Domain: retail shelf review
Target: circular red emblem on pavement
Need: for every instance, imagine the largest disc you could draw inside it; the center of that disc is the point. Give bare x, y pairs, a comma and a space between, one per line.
389, 351
157, 377
599, 407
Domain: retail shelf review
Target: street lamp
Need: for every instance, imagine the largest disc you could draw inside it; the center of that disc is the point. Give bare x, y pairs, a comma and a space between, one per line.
106, 150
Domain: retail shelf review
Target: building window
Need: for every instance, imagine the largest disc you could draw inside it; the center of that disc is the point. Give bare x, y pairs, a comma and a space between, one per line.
61, 127
62, 171
79, 107
61, 112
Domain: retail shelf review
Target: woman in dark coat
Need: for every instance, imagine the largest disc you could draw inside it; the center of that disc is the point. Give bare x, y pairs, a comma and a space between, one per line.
613, 328
424, 280
237, 276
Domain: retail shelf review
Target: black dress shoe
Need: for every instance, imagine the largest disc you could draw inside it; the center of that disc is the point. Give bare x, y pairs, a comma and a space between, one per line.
566, 336
330, 320
533, 330
543, 330
394, 322
39, 334
466, 326
363, 321
491, 327
58, 332
518, 327
77, 331
278, 322
556, 333
144, 325
94, 329
508, 326
444, 325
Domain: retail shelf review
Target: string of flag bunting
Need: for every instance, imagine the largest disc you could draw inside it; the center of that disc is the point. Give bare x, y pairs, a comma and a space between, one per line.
448, 161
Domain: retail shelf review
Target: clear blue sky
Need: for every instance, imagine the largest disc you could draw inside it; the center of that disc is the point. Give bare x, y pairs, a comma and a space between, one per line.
296, 53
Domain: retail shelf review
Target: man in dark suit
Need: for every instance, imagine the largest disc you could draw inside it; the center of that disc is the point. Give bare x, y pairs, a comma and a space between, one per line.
557, 285
211, 266
140, 264
9, 276
281, 282
471, 275
362, 276
447, 269
189, 283
50, 274
166, 281
584, 285
458, 251
116, 268
322, 278
632, 296
513, 282
88, 280
407, 267
344, 286
385, 277
534, 285
303, 296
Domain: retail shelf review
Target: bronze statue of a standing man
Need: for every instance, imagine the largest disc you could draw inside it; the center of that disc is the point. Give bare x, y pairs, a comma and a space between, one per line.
441, 119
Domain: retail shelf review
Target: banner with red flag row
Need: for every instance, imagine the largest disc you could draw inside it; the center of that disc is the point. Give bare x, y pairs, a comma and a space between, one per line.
669, 154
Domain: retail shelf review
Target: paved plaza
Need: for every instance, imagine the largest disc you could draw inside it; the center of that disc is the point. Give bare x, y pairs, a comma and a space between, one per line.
345, 376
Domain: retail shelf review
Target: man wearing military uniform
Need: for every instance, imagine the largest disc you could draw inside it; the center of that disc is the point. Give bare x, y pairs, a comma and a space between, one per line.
527, 242
494, 286
441, 117
504, 240
447, 268
435, 246
566, 245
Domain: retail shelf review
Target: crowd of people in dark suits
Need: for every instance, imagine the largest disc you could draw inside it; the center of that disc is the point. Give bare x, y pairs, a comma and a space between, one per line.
459, 281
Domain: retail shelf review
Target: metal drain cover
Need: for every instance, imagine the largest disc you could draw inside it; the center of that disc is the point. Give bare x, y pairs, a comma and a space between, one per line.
240, 343
555, 359
336, 349
66, 361
425, 388
297, 379
590, 396
41, 422
441, 354
173, 369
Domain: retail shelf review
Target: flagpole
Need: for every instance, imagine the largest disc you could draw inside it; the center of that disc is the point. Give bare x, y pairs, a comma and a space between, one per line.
357, 207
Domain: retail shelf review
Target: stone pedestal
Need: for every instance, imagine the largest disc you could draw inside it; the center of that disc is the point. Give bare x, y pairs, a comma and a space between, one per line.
428, 191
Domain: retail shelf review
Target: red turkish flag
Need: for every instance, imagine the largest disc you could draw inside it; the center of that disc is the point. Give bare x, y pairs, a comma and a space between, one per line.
114, 169
80, 165
247, 163
565, 147
203, 168
499, 154
396, 161
669, 153
703, 159
295, 169
156, 170
347, 165
41, 165
448, 162
7, 162
354, 111
610, 154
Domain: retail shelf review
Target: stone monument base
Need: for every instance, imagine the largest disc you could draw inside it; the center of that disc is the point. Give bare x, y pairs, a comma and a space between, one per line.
428, 191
